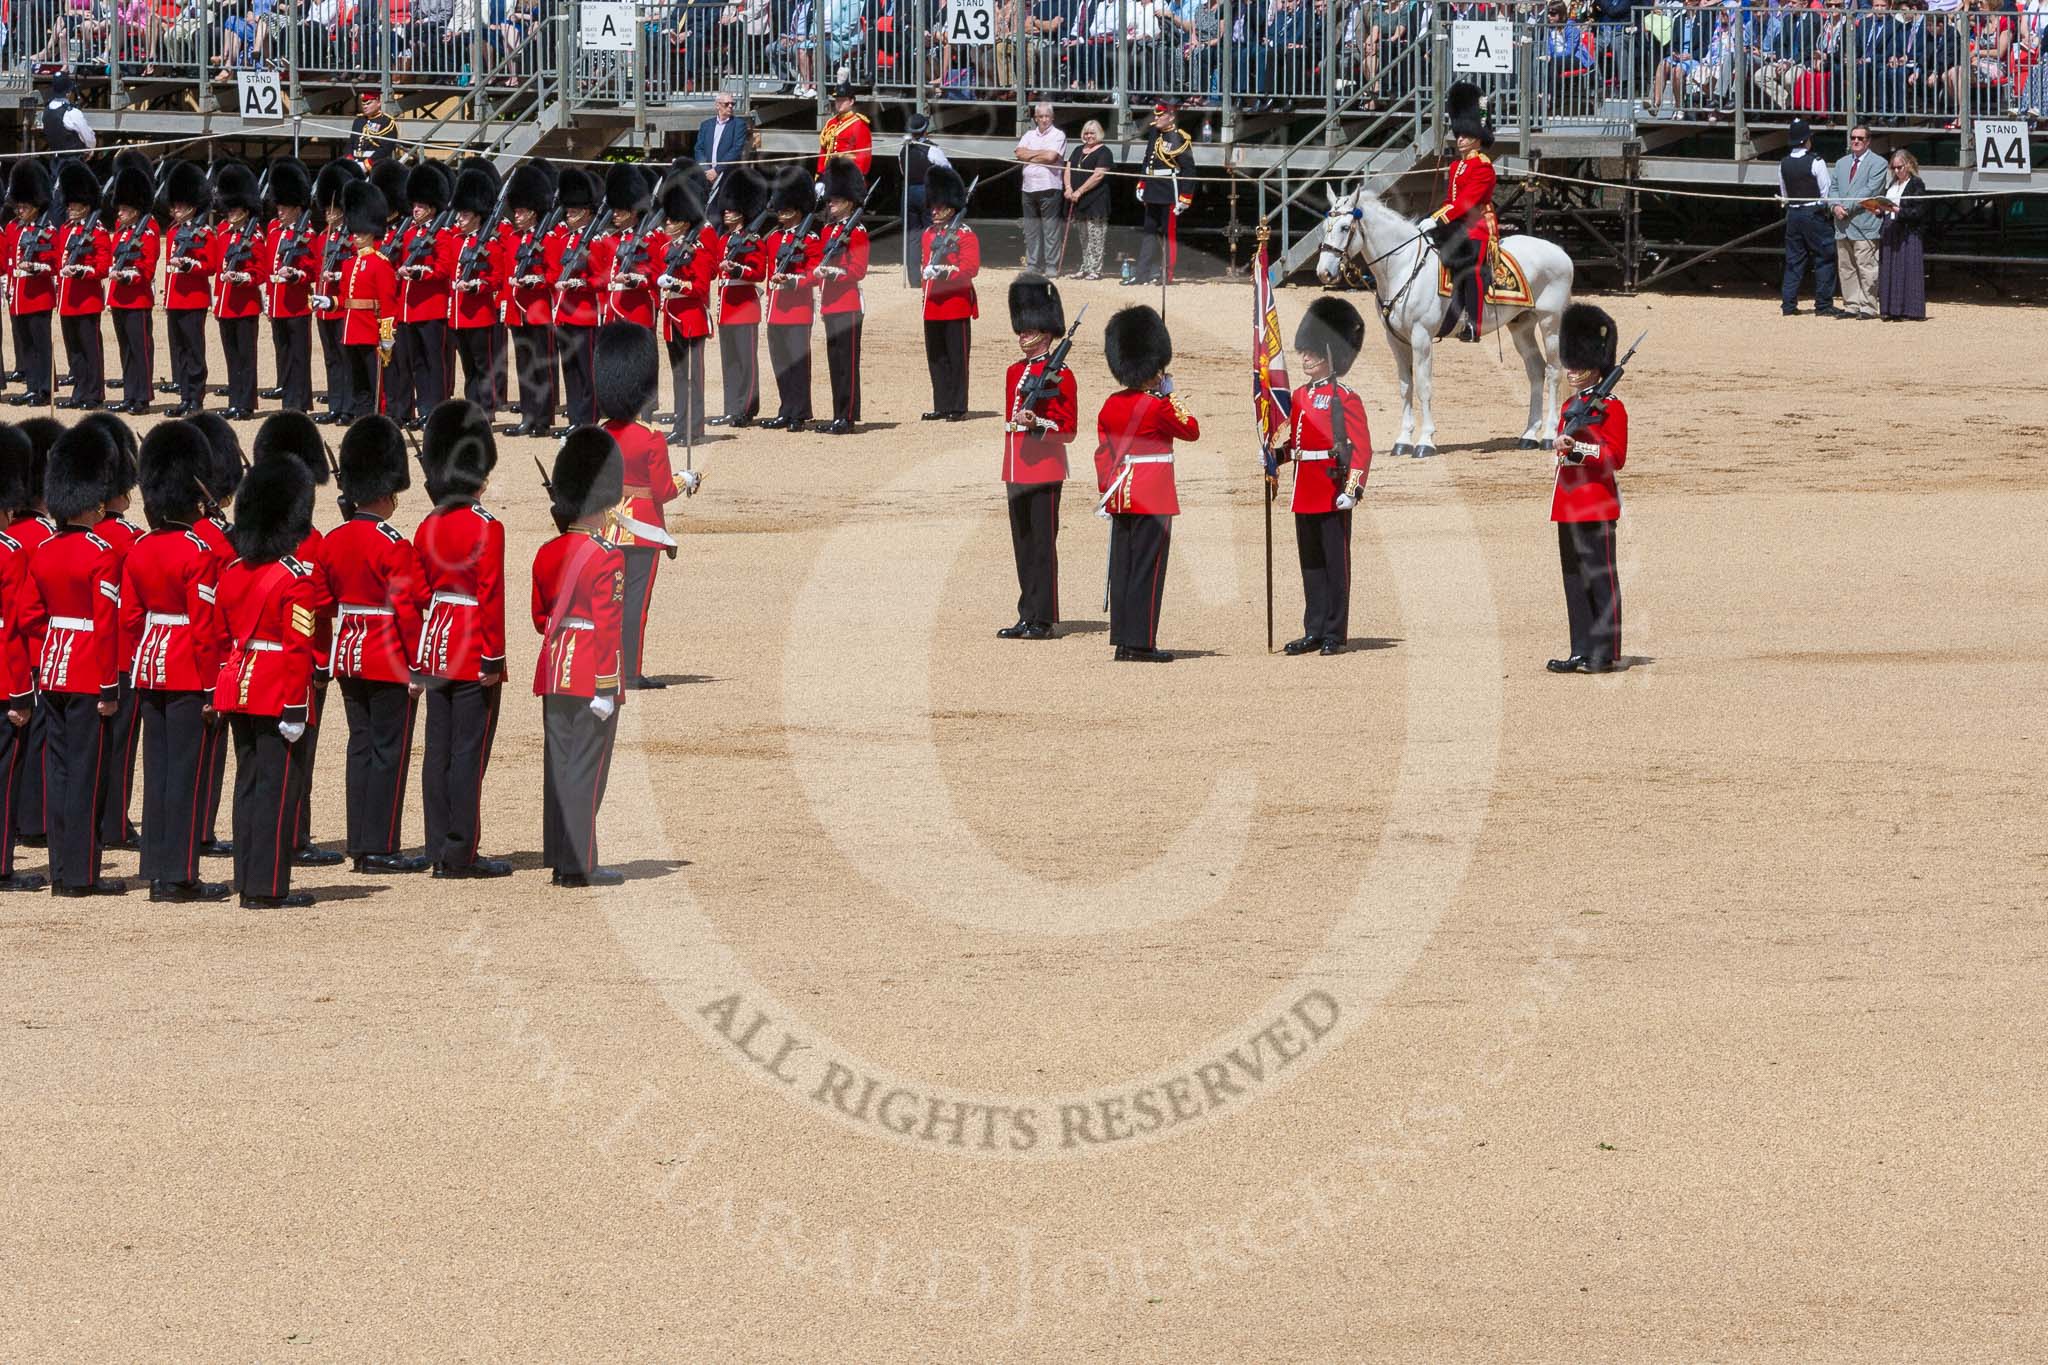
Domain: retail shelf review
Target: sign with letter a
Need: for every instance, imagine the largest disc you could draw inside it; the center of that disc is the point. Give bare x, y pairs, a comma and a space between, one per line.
971, 23
607, 25
1483, 46
2002, 147
259, 95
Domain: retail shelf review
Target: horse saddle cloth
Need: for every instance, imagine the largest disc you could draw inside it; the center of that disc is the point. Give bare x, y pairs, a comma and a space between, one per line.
1505, 280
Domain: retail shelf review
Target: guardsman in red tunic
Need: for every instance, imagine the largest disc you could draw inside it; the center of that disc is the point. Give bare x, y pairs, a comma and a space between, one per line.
1135, 433
418, 380
118, 787
628, 381
1332, 451
474, 309
1585, 502
842, 265
213, 528
368, 294
461, 657
71, 600
686, 275
952, 258
794, 253
296, 437
189, 268
171, 639
1466, 230
265, 599
294, 246
17, 669
32, 264
846, 133
579, 262
131, 286
1035, 439
579, 591
243, 253
325, 297
379, 591
742, 264
85, 251
637, 248
530, 300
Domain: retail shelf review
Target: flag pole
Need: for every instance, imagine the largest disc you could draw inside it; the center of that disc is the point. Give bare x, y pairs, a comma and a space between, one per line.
1267, 477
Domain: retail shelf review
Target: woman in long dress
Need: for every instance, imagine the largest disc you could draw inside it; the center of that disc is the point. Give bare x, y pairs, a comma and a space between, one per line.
1901, 258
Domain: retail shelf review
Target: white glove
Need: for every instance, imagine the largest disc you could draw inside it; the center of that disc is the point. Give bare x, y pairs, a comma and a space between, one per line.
1165, 384
291, 730
1345, 502
931, 272
321, 302
831, 272
602, 707
691, 478
669, 282
1103, 512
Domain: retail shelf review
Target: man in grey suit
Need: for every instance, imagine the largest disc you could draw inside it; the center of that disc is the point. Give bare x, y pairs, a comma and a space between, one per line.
722, 139
1860, 175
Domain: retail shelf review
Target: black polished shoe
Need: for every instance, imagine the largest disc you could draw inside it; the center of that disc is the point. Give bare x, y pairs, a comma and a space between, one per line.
1015, 632
718, 421
1138, 654
325, 419
931, 417
23, 881
640, 682
797, 426
112, 886
19, 376
1307, 644
741, 422
773, 424
131, 844
239, 414
1332, 647
599, 876
310, 856
1575, 664
181, 892
482, 867
216, 848
956, 417
1037, 630
68, 403
840, 427
270, 393
390, 864
297, 900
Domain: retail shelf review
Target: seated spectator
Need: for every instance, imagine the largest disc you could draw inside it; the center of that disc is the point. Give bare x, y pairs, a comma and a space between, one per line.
1691, 31
1981, 77
1565, 61
427, 36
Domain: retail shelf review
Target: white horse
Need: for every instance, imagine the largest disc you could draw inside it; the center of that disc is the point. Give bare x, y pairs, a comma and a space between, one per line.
1404, 268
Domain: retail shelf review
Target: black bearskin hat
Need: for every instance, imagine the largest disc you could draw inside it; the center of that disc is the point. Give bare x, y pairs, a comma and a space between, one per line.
391, 180
795, 191
187, 185
29, 183
627, 190
589, 475
577, 189
428, 184
133, 190
531, 190
274, 512
483, 166
373, 463
76, 184
843, 180
1137, 346
363, 204
686, 194
944, 187
627, 369
177, 468
228, 465
291, 185
1586, 338
42, 433
129, 157
1331, 327
17, 465
80, 468
458, 452
334, 177
1035, 306
742, 192
1466, 118
235, 188
475, 193
121, 477
293, 435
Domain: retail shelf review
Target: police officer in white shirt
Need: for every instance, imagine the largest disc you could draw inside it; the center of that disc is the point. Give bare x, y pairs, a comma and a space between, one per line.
1809, 224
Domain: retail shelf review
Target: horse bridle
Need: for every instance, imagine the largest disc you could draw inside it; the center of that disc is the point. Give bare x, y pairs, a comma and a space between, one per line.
1388, 303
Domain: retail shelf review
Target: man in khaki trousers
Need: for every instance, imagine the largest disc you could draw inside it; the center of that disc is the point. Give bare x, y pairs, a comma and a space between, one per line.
1859, 175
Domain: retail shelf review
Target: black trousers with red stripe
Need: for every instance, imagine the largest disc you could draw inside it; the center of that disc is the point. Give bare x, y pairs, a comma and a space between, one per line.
74, 768
268, 789
173, 782
417, 381
533, 351
187, 327
946, 347
334, 363
32, 354
741, 367
218, 742
462, 721
31, 807
842, 362
1592, 588
686, 377
116, 794
641, 565
577, 347
578, 760
1322, 541
482, 352
1137, 577
380, 721
291, 343
238, 345
308, 755
789, 354
1034, 540
13, 767
86, 348
364, 366
135, 342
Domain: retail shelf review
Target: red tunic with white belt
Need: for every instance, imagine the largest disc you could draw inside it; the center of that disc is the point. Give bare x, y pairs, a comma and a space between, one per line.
71, 601
790, 305
739, 301
579, 594
529, 305
170, 628
462, 552
266, 613
650, 486
378, 586
632, 254
686, 310
582, 304
424, 298
83, 295
1034, 454
145, 244
17, 675
841, 293
1586, 491
1135, 433
1311, 444
294, 254
477, 292
29, 533
951, 297
33, 291
232, 299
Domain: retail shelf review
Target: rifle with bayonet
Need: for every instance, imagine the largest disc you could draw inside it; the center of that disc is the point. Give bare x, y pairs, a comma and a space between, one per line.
837, 246
470, 264
1588, 406
946, 242
1046, 382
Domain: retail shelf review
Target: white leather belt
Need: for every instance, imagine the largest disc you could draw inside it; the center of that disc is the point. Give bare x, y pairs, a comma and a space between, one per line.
166, 618
358, 609
575, 623
1149, 459
453, 599
1304, 456
653, 535
71, 623
264, 647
